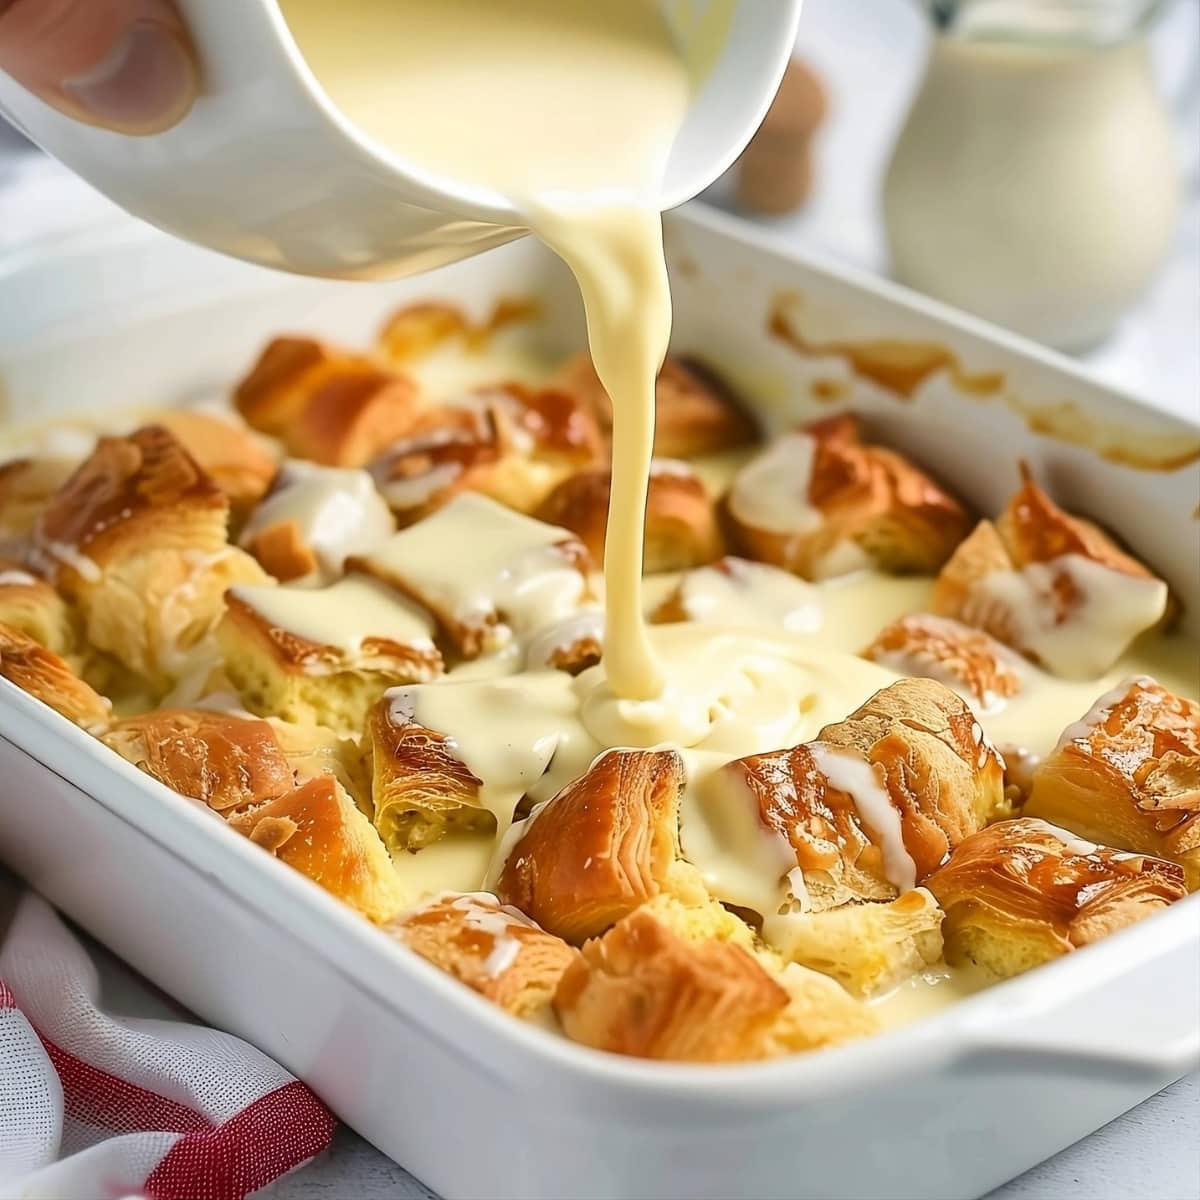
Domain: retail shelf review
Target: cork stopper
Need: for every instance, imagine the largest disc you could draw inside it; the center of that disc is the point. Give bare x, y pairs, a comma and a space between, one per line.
775, 171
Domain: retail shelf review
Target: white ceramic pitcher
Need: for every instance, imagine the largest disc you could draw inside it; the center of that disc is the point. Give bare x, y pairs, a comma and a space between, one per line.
265, 168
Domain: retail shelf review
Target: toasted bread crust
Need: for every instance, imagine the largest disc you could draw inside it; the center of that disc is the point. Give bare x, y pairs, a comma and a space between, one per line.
495, 951
604, 845
1021, 892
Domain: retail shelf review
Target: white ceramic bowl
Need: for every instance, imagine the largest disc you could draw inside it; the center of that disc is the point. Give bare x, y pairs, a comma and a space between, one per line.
267, 169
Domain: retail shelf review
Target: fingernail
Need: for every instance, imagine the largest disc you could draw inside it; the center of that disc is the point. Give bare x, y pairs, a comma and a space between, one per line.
145, 83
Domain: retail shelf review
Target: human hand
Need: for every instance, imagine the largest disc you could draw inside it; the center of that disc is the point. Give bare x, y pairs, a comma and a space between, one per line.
127, 65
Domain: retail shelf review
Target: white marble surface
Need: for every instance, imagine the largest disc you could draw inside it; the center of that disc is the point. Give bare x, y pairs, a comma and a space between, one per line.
869, 52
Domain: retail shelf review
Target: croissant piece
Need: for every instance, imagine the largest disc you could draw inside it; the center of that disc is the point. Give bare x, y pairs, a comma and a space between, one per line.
735, 591
649, 989
1051, 585
1128, 775
681, 520
510, 442
226, 451
816, 824
30, 604
872, 806
421, 790
1023, 892
524, 573
449, 450
324, 404
820, 503
136, 539
601, 847
324, 655
46, 677
696, 412
942, 774
227, 762
314, 519
868, 948
642, 990
319, 831
975, 665
495, 950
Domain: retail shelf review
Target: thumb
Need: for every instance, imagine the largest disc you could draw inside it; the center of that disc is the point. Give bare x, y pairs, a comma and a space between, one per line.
124, 64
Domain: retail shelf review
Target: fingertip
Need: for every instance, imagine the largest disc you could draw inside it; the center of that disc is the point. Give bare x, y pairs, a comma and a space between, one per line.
147, 82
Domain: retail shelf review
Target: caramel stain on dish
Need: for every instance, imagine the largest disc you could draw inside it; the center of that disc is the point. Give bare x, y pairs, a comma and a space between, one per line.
1141, 449
899, 365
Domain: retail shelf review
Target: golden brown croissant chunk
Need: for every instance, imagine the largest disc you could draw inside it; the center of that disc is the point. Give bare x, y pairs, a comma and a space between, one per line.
644, 991
1128, 775
523, 573
324, 404
136, 538
941, 772
226, 451
510, 442
872, 806
695, 410
980, 669
646, 988
601, 847
1053, 586
819, 503
1022, 892
324, 655
494, 949
319, 831
30, 604
313, 520
48, 678
681, 520
227, 762
421, 790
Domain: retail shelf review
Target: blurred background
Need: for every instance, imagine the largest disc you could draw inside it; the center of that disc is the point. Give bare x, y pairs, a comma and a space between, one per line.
1085, 112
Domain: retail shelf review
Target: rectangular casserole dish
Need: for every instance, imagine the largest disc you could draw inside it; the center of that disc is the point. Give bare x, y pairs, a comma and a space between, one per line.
469, 1100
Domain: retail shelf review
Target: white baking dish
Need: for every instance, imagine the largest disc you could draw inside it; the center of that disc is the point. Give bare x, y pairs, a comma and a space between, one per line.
471, 1101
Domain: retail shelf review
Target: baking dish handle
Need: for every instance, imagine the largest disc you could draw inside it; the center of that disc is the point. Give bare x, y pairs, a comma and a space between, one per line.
1044, 1023
1161, 1061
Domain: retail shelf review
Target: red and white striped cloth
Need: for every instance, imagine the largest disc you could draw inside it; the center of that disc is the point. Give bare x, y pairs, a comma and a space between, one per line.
98, 1107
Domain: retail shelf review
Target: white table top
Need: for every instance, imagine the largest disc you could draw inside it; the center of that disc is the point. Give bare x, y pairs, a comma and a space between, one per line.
870, 55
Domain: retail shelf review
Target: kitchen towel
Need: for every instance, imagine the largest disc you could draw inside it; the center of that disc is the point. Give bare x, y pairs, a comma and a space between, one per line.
95, 1106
